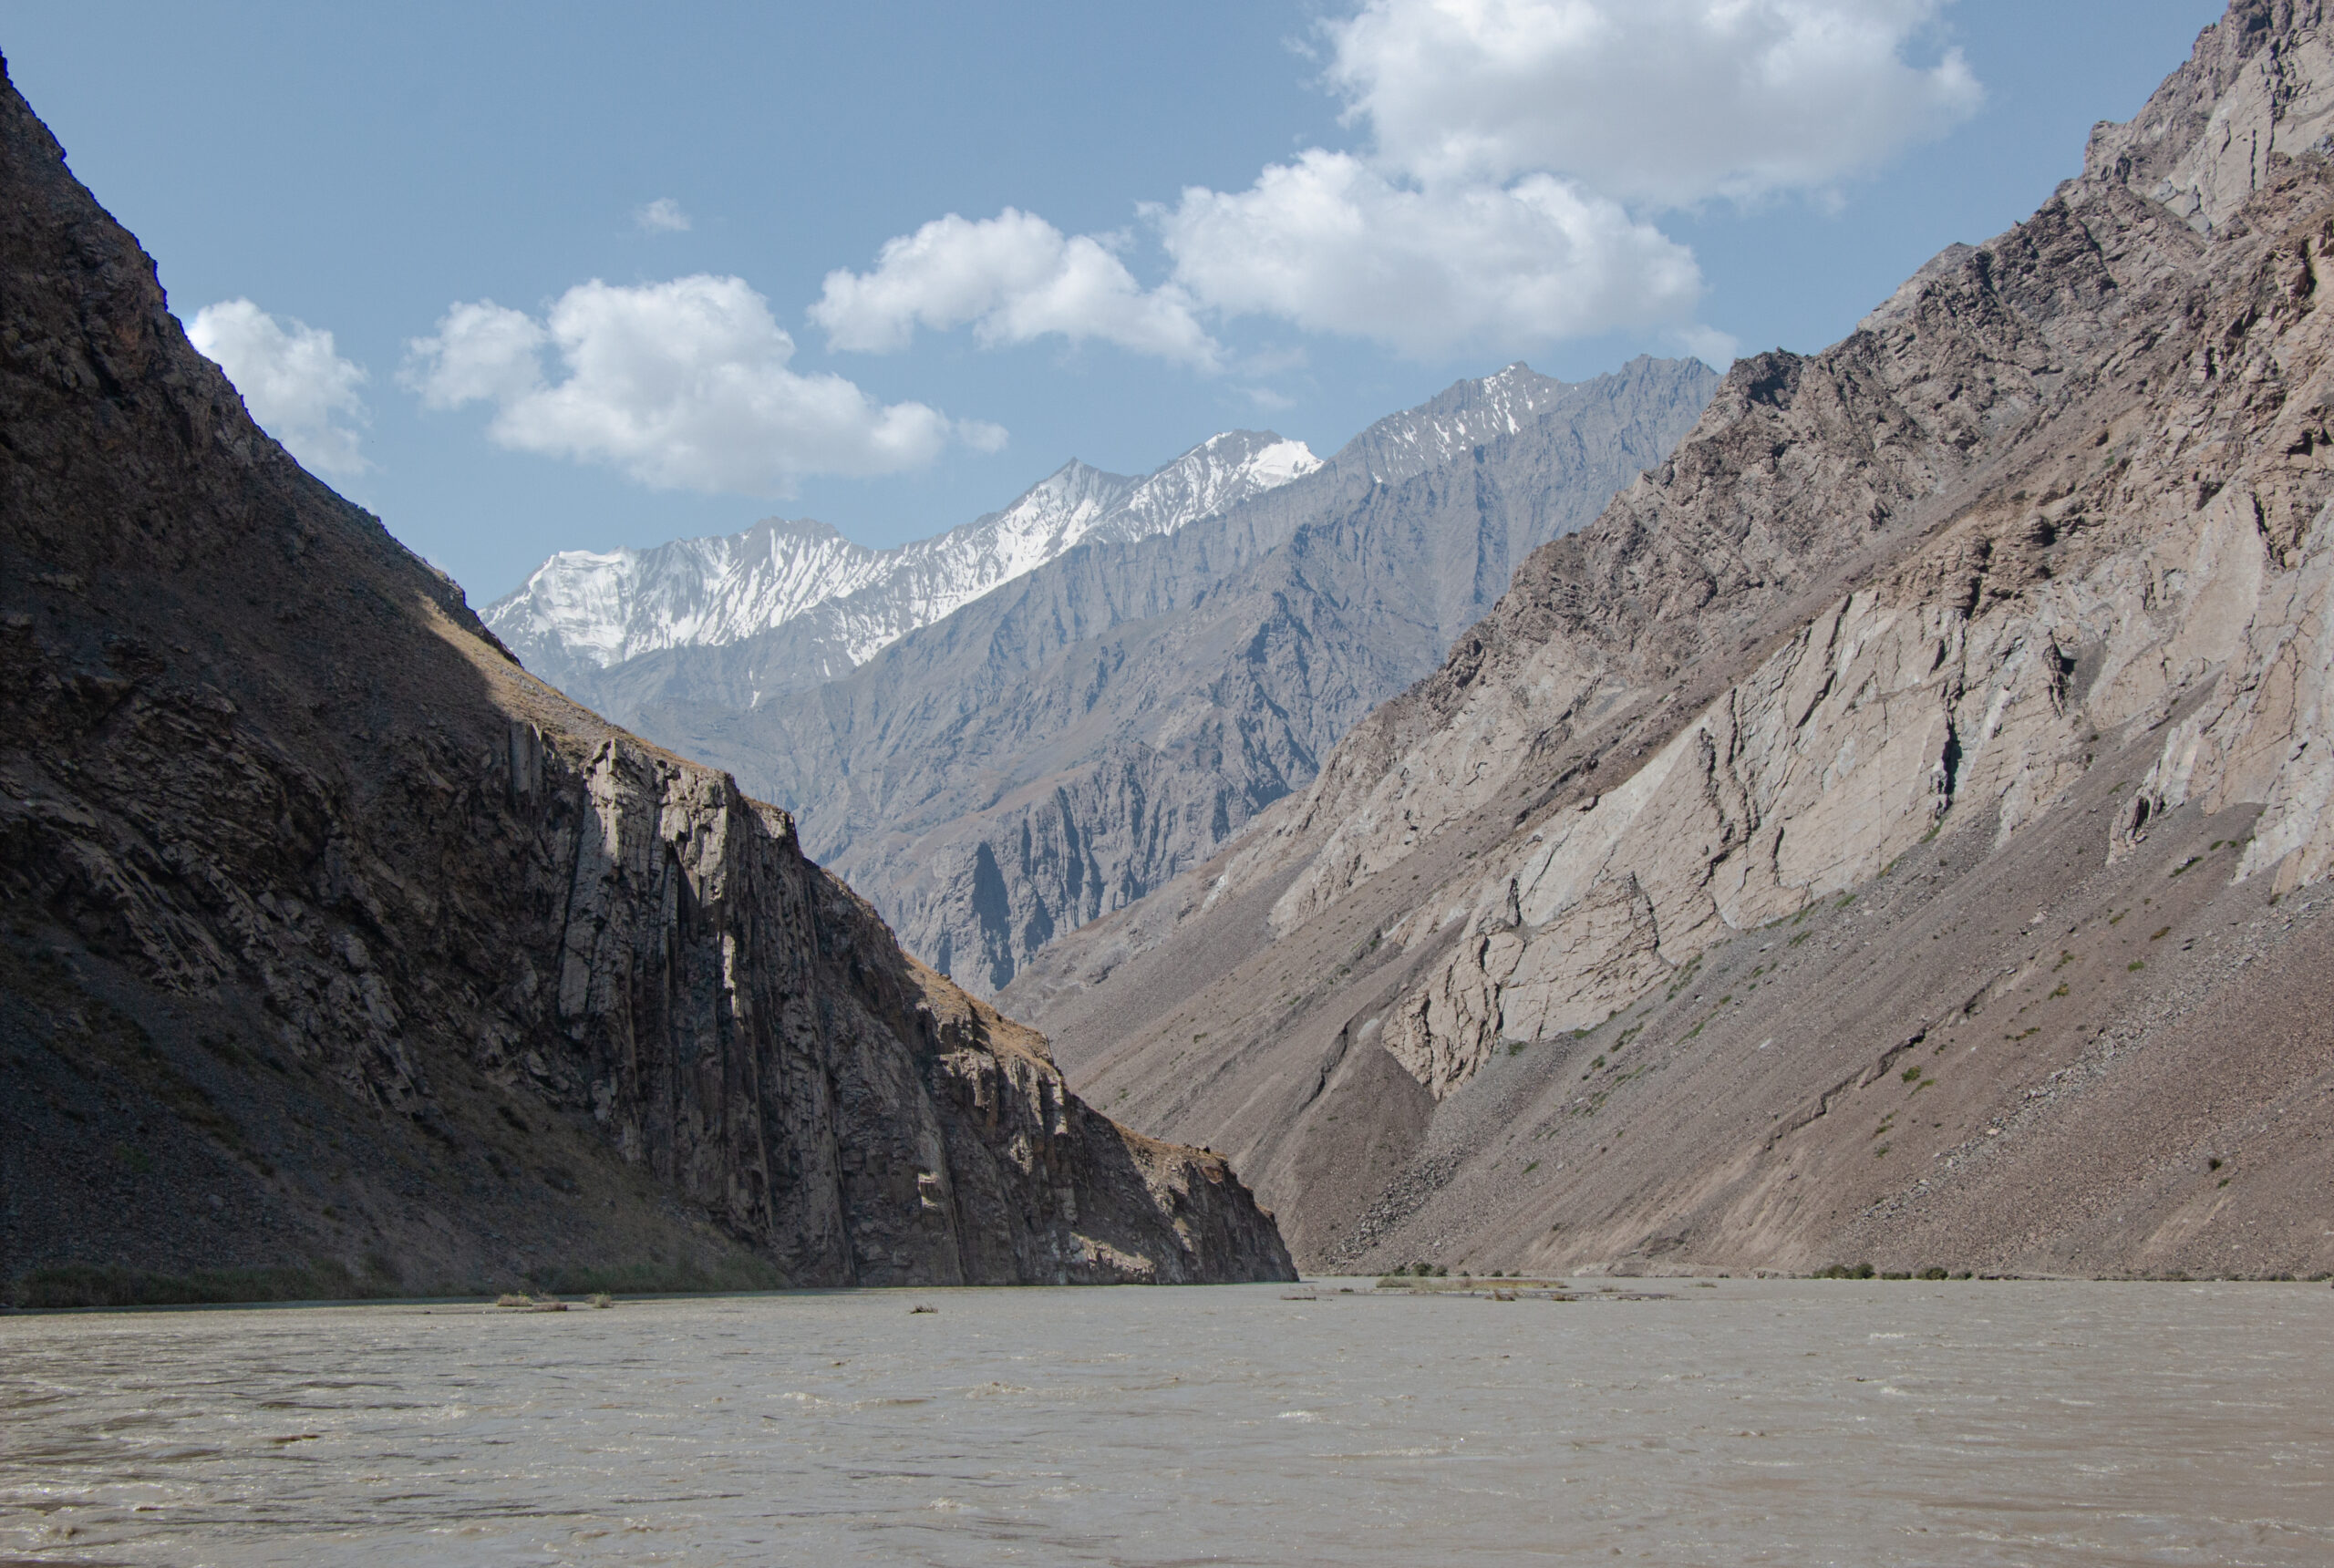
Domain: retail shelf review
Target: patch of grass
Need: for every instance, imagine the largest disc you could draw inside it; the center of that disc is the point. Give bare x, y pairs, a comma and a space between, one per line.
2116, 919
1845, 899
2135, 965
2065, 958
2183, 865
1530, 1168
2160, 935
1911, 1075
2059, 992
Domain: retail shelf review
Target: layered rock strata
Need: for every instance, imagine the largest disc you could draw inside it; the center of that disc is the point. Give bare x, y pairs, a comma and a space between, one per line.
343, 955
2012, 604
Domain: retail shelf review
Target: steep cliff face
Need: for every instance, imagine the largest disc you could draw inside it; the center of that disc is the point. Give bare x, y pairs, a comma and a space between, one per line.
2016, 599
1080, 737
344, 955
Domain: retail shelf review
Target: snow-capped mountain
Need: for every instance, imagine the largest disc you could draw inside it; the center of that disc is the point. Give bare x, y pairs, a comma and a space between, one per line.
583, 611
1462, 418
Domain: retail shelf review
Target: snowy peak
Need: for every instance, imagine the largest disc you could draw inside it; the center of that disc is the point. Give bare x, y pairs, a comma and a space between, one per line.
585, 611
1215, 476
1456, 420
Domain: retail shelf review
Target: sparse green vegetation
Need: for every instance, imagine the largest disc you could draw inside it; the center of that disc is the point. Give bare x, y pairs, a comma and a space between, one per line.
1931, 1272
1911, 1075
2160, 935
2135, 965
1844, 1271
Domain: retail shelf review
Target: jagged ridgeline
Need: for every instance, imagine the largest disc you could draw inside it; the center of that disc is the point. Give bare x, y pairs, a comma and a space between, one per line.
1078, 734
1895, 833
341, 956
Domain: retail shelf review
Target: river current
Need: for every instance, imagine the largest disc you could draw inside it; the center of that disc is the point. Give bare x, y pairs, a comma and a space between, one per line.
1738, 1422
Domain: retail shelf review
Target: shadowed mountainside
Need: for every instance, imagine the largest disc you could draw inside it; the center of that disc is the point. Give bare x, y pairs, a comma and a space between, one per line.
343, 956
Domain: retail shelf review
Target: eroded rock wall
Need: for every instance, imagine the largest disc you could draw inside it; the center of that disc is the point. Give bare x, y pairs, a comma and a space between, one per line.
338, 943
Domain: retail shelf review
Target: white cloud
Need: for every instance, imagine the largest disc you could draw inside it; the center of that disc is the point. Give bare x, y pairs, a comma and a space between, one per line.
1667, 101
1511, 153
296, 387
1329, 243
662, 216
1013, 278
683, 385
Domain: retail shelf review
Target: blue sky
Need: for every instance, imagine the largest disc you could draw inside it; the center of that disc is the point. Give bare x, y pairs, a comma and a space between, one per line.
1204, 201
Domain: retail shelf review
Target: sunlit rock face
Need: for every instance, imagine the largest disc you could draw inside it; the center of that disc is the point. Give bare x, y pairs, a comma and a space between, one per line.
1926, 672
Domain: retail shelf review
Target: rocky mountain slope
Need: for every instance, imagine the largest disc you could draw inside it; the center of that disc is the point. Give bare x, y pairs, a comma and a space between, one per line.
1083, 734
343, 956
1895, 833
733, 620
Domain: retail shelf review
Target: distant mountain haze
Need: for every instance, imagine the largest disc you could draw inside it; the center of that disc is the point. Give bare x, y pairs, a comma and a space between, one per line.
1069, 738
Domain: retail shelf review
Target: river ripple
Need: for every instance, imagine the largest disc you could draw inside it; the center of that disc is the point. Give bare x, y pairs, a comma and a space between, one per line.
1750, 1423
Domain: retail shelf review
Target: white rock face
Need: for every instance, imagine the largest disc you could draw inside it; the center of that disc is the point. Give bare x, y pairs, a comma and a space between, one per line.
585, 611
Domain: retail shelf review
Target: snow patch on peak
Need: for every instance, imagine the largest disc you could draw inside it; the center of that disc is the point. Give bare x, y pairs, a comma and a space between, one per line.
594, 610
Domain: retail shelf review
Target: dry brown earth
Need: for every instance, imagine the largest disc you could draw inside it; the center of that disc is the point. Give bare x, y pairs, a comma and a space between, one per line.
1895, 831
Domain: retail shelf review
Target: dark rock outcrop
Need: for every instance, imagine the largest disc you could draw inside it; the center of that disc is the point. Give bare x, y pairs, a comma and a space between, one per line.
343, 955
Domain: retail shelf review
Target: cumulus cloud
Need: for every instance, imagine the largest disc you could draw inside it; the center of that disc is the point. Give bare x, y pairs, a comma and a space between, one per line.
1330, 244
662, 216
299, 390
1511, 154
682, 385
1666, 101
1012, 278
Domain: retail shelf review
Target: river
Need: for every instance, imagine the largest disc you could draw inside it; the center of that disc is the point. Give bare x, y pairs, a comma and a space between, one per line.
1730, 1422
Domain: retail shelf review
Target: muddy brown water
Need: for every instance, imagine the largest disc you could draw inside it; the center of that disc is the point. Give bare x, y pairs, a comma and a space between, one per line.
1748, 1422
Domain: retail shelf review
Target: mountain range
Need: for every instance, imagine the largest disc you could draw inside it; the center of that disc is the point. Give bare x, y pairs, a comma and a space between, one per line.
799, 603
1077, 734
